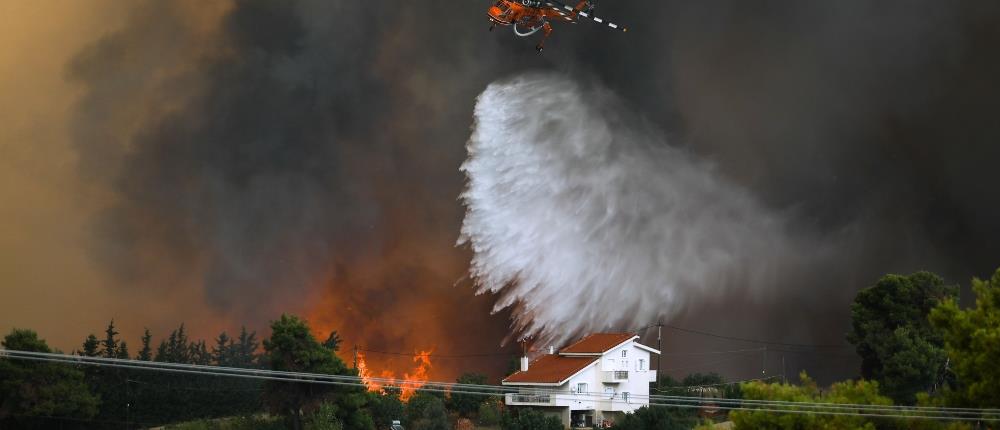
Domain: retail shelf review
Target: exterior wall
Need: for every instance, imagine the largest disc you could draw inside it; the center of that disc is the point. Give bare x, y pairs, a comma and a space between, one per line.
637, 383
584, 401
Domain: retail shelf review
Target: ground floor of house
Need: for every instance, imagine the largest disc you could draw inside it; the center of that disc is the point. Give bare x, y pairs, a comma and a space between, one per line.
582, 418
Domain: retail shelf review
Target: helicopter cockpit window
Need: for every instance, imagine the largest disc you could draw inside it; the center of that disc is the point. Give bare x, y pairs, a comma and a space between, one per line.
503, 7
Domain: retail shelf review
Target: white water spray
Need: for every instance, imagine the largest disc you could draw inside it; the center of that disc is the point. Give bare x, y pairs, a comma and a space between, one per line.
583, 219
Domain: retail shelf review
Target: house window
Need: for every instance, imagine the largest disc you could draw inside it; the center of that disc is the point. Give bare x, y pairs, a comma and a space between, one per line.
642, 364
624, 353
581, 387
625, 396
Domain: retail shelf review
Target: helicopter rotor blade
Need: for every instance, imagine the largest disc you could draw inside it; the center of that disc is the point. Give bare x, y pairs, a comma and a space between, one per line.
560, 7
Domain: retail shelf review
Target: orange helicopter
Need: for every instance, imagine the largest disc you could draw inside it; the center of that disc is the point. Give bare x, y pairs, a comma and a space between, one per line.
527, 17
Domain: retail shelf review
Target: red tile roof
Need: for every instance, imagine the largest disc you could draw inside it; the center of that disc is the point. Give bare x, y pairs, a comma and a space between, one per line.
597, 343
551, 369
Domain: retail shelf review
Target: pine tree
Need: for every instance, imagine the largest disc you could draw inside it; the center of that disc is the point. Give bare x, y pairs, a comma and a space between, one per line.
161, 352
222, 351
122, 351
90, 346
110, 344
182, 349
246, 349
145, 354
198, 353
333, 341
175, 349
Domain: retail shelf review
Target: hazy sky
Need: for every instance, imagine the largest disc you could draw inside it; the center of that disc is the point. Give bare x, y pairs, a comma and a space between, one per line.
49, 283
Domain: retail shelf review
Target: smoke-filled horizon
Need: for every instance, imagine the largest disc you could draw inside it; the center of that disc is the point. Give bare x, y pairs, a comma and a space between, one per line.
218, 164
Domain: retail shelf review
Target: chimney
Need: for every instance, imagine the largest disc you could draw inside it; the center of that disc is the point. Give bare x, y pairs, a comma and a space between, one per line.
524, 364
552, 349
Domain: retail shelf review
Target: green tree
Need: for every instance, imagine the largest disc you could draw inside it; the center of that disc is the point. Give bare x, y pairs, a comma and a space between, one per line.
891, 332
292, 348
90, 346
467, 404
702, 379
146, 353
175, 348
972, 340
198, 353
222, 351
332, 341
384, 408
323, 418
425, 411
122, 352
854, 392
657, 418
109, 346
530, 419
30, 390
490, 412
245, 350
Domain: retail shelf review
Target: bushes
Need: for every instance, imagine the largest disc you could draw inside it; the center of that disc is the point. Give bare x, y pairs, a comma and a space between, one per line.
426, 411
238, 423
529, 419
490, 412
657, 418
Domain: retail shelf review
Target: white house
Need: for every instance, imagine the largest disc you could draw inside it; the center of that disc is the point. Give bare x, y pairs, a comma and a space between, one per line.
593, 381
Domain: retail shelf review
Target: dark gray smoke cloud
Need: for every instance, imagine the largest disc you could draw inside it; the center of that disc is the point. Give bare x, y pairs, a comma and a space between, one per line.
298, 144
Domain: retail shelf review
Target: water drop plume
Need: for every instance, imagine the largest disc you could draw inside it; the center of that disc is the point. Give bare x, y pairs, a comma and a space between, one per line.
583, 218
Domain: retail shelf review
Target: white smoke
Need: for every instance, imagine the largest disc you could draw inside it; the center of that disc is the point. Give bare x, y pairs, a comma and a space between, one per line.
584, 219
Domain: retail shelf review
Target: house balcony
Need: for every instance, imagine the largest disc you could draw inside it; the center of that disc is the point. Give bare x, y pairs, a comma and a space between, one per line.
615, 376
530, 399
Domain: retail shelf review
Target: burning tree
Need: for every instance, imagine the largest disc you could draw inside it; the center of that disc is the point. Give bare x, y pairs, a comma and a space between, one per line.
293, 348
408, 385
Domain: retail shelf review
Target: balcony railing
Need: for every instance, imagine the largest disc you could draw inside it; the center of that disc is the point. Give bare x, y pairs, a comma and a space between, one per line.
542, 399
615, 376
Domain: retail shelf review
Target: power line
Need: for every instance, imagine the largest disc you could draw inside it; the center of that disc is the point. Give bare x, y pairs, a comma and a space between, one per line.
489, 390
435, 355
749, 340
688, 387
491, 393
708, 363
732, 351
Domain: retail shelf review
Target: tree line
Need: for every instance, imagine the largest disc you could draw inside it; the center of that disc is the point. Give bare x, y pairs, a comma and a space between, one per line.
917, 347
41, 395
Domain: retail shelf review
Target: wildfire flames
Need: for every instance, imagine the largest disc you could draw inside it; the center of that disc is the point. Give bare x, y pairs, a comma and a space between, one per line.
408, 385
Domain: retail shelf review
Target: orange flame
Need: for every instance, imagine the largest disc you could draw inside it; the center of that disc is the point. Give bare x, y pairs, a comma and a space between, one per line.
408, 385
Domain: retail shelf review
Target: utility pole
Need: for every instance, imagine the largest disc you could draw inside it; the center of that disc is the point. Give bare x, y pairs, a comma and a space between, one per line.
128, 403
763, 363
355, 356
659, 357
783, 380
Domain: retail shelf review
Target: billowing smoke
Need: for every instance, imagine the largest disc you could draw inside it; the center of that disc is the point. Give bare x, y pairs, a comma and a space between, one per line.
586, 219
259, 157
238, 159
